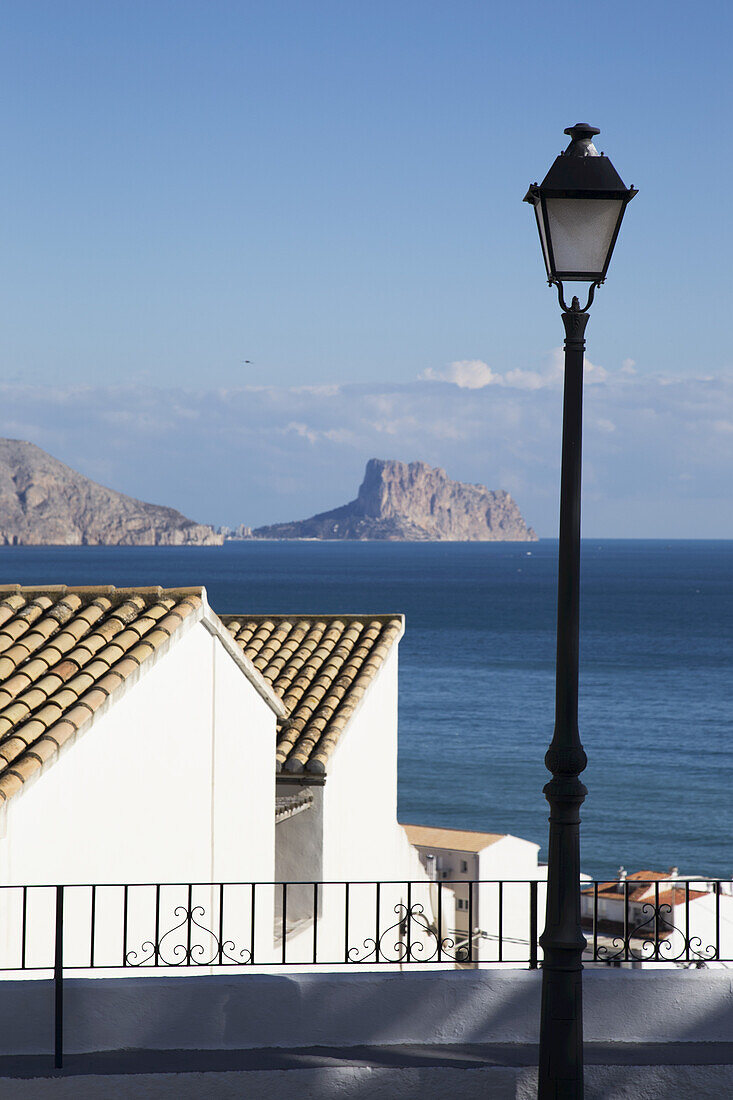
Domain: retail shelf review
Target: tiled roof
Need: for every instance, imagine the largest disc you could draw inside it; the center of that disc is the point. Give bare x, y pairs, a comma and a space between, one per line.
63, 652
677, 896
640, 883
642, 887
320, 667
458, 840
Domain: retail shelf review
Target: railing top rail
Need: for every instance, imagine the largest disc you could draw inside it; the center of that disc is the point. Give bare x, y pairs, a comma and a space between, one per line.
586, 884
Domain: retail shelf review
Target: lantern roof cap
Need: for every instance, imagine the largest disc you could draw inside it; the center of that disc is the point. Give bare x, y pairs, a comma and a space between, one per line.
582, 170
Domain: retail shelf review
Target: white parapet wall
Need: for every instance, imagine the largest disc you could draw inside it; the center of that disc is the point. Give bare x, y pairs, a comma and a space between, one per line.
357, 1009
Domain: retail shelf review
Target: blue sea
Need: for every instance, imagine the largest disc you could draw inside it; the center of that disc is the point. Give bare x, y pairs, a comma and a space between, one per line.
477, 673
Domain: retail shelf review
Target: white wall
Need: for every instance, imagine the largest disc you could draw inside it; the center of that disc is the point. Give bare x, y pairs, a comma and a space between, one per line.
173, 782
362, 840
250, 1011
361, 836
243, 795
510, 858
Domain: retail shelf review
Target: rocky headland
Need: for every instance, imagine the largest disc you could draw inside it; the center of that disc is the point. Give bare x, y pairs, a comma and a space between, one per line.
44, 502
413, 502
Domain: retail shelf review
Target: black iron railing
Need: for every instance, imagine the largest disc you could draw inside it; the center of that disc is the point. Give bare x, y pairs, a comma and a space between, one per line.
640, 921
142, 928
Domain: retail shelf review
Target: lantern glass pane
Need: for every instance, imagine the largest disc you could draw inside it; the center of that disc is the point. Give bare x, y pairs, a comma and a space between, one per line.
543, 237
581, 231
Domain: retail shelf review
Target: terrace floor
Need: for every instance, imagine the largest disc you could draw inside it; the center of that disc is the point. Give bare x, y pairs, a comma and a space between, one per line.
503, 1071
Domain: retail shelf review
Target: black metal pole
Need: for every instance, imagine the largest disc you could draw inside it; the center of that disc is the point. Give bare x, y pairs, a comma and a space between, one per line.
561, 1024
58, 982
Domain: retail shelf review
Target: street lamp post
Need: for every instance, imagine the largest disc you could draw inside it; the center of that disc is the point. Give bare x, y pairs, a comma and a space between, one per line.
579, 207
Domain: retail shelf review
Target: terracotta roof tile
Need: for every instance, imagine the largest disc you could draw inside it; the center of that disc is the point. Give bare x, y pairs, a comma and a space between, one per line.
8, 607
125, 667
11, 748
44, 749
62, 652
320, 667
10, 784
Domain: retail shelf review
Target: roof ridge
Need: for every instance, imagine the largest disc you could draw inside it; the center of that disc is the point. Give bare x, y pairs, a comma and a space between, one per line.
309, 616
151, 593
448, 829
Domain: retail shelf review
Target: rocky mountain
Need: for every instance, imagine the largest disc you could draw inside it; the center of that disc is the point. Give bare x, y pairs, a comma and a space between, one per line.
42, 501
413, 502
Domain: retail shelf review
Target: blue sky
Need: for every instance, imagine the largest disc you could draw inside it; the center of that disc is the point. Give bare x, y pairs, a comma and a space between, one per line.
333, 190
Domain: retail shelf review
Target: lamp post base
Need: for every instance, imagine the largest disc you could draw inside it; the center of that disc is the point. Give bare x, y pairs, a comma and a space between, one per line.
561, 1023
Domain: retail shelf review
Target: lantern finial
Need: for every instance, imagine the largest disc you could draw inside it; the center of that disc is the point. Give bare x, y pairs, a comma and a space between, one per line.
581, 144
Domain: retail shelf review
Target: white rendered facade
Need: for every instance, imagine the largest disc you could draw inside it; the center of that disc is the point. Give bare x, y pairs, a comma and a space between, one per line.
507, 875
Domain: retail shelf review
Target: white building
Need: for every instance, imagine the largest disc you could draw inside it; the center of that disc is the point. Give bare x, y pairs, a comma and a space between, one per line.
656, 918
493, 884
143, 739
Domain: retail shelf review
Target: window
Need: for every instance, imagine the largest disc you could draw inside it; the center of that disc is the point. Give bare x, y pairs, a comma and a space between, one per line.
459, 903
464, 866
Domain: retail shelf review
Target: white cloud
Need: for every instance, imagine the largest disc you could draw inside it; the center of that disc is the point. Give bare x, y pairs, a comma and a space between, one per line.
300, 429
474, 374
469, 374
592, 372
528, 379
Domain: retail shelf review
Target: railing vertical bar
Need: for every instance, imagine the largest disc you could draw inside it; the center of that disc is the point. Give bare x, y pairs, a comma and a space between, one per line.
58, 982
315, 921
470, 921
189, 923
221, 923
253, 903
626, 920
376, 930
687, 920
440, 921
533, 925
93, 926
23, 930
346, 922
124, 925
156, 950
408, 921
285, 921
717, 920
595, 922
501, 922
656, 919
